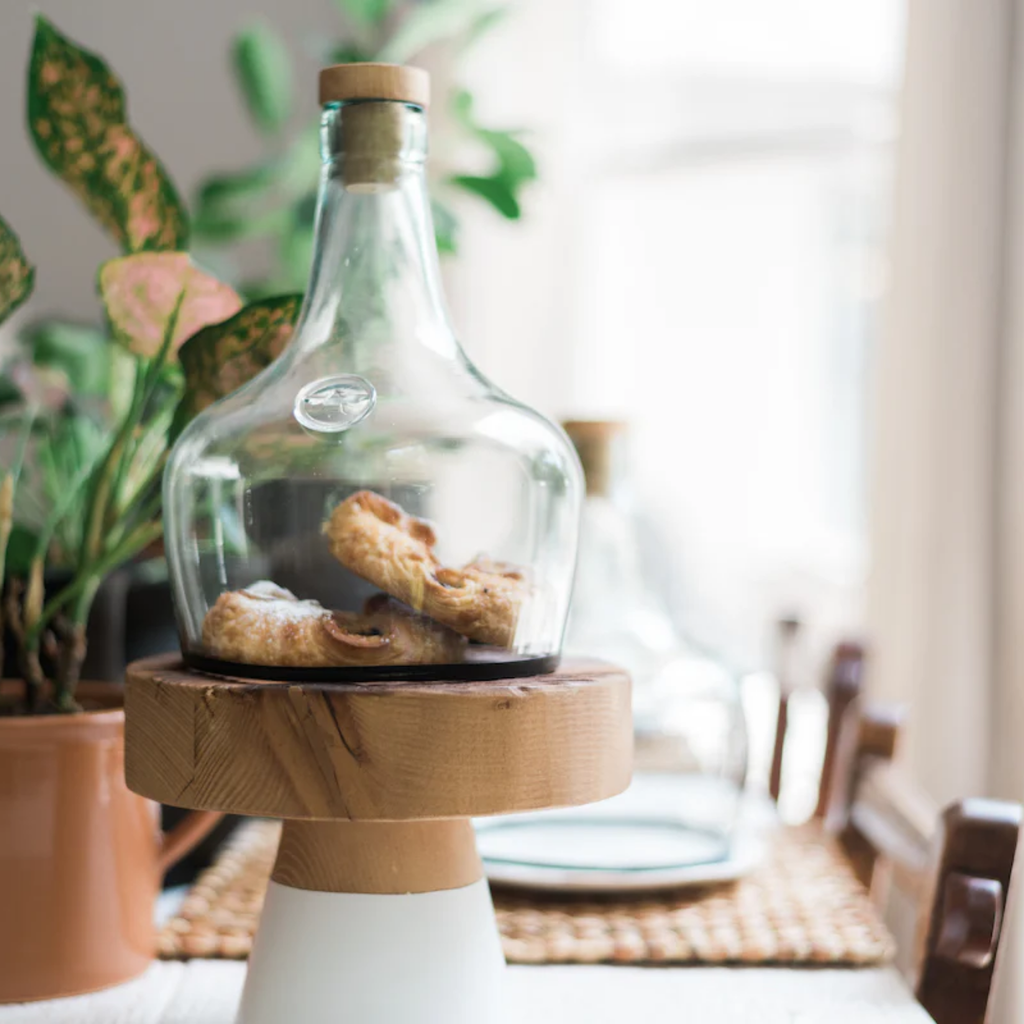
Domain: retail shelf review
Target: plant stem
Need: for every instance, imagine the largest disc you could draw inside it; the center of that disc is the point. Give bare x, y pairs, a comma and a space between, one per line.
72, 650
10, 607
63, 504
105, 495
6, 525
142, 535
93, 535
28, 655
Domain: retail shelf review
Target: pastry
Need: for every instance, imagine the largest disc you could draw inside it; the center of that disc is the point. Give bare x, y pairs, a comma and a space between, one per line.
375, 539
264, 624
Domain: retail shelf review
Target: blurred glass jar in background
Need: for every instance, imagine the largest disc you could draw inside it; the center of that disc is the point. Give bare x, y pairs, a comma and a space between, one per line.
691, 748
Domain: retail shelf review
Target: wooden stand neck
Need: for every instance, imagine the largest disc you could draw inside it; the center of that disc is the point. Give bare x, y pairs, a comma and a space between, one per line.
377, 856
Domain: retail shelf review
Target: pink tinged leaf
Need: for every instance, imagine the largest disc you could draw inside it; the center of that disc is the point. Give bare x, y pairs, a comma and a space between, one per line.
17, 275
77, 117
221, 358
140, 293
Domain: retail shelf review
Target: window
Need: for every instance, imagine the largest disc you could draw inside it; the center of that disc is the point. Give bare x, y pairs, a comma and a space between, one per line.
703, 259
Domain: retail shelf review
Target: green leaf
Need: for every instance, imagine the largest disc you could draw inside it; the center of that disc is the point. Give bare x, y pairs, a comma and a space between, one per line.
295, 252
78, 119
221, 226
431, 22
20, 548
124, 369
348, 53
231, 191
495, 190
446, 227
142, 293
305, 211
301, 163
482, 25
223, 357
258, 201
264, 72
462, 108
80, 351
366, 12
10, 393
515, 163
17, 275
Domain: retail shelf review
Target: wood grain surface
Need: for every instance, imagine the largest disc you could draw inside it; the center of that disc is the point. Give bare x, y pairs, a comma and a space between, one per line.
387, 752
375, 82
378, 856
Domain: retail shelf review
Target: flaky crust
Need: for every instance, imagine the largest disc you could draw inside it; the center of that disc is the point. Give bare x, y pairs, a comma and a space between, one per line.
267, 625
375, 539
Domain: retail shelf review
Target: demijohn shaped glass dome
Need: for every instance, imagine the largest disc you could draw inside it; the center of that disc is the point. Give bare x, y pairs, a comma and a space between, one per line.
370, 506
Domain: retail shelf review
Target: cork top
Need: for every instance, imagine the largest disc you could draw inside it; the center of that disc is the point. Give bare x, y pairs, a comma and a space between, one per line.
375, 82
600, 446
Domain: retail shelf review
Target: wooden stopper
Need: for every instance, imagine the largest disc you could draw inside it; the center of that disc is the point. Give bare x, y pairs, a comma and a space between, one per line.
598, 444
372, 135
343, 82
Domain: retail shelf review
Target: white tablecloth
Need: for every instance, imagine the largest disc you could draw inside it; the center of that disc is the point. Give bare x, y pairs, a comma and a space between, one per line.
207, 992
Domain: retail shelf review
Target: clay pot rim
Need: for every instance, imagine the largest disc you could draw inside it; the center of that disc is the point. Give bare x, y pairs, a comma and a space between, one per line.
96, 716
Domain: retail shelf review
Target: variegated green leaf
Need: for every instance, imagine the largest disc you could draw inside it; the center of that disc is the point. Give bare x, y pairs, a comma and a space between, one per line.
141, 293
78, 119
221, 358
17, 275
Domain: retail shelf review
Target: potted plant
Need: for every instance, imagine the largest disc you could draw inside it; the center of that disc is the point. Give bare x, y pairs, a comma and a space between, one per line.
274, 199
80, 855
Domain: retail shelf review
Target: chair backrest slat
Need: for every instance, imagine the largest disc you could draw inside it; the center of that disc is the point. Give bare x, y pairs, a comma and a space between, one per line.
842, 689
956, 865
962, 922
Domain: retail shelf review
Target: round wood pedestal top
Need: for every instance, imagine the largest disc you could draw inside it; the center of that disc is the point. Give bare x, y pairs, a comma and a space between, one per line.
377, 752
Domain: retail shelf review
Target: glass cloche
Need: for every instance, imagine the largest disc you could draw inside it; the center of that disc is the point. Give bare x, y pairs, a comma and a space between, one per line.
370, 505
690, 755
683, 818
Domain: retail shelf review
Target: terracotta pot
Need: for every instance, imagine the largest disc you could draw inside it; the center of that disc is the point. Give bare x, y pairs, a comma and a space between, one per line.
80, 855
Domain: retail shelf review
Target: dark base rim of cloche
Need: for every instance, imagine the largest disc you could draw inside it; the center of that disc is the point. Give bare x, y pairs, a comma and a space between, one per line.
471, 670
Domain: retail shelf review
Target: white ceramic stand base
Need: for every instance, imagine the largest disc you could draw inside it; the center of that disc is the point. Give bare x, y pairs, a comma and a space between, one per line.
378, 911
367, 958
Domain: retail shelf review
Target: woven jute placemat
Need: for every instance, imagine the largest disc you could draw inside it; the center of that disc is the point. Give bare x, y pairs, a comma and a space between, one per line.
801, 906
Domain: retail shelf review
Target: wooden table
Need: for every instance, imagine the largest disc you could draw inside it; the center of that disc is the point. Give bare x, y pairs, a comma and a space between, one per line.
207, 992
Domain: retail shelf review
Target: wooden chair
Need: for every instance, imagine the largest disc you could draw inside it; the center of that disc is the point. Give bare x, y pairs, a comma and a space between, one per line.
955, 863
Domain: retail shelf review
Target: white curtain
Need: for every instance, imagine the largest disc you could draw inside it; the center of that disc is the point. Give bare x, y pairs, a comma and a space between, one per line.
946, 588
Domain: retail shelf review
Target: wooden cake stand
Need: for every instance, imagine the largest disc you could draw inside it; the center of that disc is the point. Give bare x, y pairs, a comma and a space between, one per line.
377, 911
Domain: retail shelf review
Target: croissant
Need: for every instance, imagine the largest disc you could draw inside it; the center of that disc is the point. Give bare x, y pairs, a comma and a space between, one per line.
378, 541
264, 624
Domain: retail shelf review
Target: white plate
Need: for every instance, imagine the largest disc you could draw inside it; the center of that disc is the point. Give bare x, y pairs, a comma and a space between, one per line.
643, 839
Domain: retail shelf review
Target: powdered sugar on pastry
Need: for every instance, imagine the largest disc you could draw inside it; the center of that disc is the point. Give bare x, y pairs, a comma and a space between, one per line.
377, 540
267, 625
